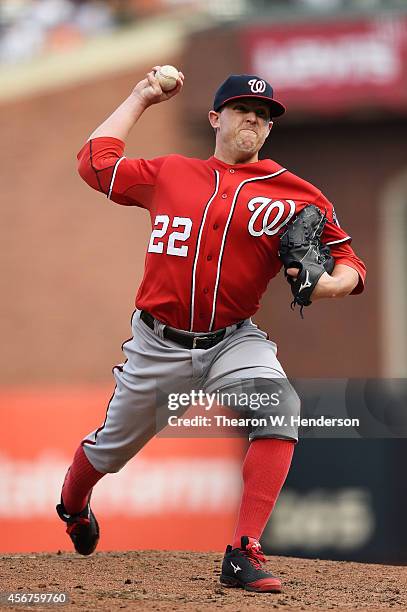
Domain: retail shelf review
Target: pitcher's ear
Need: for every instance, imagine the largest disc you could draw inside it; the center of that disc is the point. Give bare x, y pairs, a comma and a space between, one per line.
213, 117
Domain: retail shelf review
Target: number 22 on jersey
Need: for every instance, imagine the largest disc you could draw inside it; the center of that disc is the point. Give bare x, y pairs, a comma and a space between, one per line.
162, 221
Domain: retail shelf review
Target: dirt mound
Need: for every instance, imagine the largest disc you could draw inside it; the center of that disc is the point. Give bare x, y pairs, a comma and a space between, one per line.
162, 580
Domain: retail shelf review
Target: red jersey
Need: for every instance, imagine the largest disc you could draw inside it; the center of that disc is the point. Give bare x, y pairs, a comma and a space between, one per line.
215, 229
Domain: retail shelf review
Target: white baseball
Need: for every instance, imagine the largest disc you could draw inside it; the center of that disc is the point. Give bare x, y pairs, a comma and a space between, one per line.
167, 77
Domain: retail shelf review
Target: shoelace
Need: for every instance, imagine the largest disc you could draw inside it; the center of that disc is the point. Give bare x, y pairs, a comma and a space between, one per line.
255, 556
78, 522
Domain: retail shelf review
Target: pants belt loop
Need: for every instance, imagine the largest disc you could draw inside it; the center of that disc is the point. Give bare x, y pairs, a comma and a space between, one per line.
159, 329
230, 329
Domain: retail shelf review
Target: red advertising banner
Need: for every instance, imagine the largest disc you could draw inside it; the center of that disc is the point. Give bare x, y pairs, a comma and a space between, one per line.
332, 66
176, 493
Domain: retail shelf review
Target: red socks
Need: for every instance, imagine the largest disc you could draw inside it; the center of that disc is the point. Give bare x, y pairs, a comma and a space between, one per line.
265, 469
79, 481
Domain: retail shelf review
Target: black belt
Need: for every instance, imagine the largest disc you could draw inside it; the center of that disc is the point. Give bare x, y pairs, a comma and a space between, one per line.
188, 339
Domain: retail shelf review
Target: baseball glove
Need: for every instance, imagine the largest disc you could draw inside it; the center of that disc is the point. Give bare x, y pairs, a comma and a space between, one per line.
300, 247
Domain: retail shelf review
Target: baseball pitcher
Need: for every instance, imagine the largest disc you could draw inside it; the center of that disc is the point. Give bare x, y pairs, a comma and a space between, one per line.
221, 229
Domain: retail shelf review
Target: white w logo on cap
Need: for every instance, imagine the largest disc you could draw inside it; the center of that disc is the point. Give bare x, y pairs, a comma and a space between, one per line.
257, 85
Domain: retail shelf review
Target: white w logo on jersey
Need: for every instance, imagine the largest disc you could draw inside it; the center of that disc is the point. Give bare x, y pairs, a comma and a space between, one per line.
269, 216
257, 85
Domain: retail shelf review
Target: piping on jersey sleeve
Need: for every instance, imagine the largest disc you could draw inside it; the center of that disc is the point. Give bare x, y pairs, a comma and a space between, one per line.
93, 167
338, 241
232, 208
114, 176
198, 244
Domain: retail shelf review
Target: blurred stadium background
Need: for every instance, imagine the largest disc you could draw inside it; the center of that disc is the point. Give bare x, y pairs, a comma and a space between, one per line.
71, 262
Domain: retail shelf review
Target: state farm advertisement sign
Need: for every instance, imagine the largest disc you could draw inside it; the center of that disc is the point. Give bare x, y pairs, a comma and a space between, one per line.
332, 66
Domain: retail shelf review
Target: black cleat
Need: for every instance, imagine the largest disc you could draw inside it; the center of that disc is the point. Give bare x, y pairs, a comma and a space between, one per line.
82, 528
242, 568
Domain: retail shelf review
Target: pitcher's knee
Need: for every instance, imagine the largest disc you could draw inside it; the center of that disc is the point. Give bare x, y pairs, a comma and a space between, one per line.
271, 405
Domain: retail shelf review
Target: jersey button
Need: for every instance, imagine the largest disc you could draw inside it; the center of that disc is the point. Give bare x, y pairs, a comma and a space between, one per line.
215, 226
231, 171
206, 290
209, 258
224, 196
